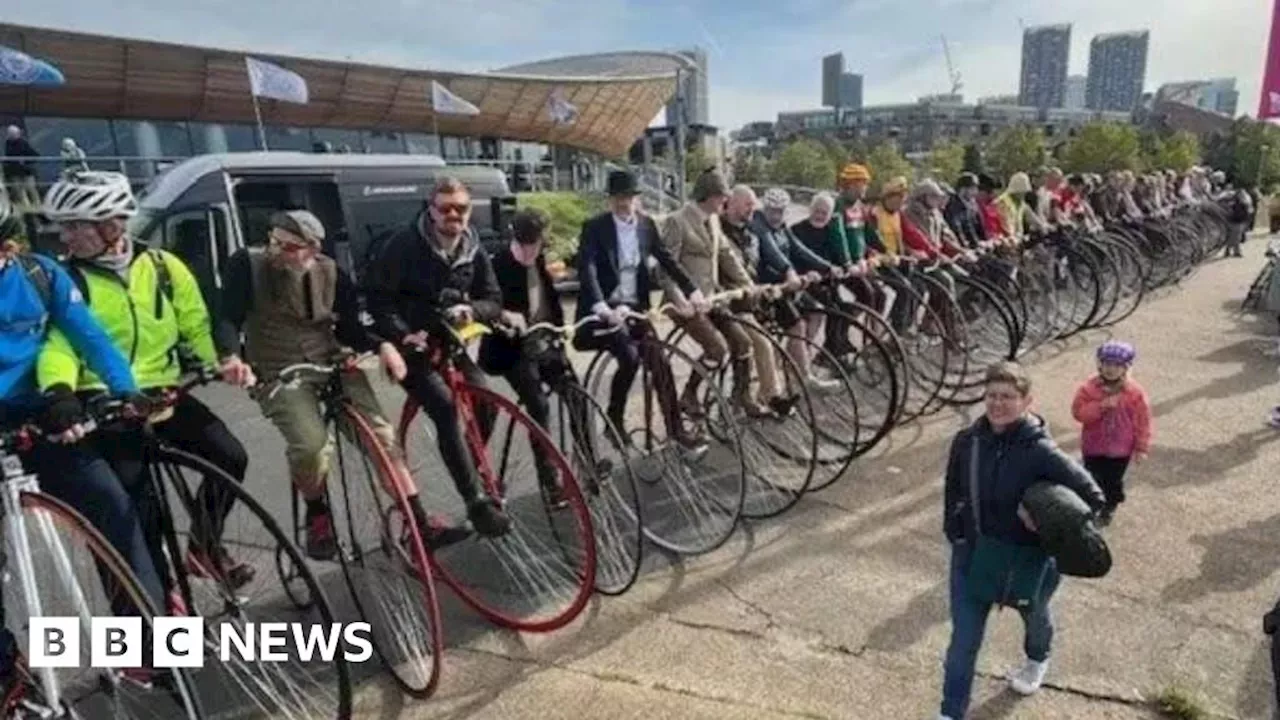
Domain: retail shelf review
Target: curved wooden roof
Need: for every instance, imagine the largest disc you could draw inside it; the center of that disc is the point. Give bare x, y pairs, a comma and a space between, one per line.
139, 79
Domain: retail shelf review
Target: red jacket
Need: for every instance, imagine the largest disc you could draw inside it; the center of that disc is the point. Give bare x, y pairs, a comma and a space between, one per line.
1118, 432
912, 237
992, 223
917, 241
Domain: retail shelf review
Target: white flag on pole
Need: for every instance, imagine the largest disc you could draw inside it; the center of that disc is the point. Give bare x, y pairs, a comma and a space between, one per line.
562, 111
444, 102
272, 81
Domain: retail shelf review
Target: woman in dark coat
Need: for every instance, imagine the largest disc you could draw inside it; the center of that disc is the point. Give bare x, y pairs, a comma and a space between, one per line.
991, 465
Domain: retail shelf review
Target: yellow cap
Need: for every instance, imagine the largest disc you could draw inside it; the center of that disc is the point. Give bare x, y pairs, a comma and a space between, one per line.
853, 172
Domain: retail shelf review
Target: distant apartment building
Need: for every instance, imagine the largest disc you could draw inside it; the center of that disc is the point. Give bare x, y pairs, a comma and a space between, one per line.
755, 131
696, 92
1117, 71
917, 127
840, 88
1045, 53
1077, 86
1217, 95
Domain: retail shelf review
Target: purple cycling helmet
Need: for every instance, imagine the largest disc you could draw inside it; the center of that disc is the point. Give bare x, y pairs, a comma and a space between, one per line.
1116, 353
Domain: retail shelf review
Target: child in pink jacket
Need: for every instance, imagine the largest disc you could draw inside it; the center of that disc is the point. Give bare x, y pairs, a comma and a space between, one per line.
1116, 415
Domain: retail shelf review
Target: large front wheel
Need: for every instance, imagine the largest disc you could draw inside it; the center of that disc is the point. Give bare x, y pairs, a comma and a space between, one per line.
53, 551
602, 462
211, 509
384, 559
539, 575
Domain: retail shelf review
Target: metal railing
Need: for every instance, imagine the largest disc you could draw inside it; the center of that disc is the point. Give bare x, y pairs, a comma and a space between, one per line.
532, 176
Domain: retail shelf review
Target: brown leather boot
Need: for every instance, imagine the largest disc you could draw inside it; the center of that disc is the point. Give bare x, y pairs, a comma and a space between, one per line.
741, 369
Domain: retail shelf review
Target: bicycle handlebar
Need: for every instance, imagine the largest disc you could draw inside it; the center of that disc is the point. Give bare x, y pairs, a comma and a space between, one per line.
293, 375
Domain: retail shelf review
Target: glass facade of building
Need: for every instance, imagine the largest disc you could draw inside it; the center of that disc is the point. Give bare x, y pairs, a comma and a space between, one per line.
114, 144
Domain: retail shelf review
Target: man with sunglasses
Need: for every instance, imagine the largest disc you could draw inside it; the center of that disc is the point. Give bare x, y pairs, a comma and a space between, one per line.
296, 305
430, 272
151, 305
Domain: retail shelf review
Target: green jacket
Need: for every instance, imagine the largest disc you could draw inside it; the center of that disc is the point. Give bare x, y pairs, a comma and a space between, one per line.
849, 244
146, 322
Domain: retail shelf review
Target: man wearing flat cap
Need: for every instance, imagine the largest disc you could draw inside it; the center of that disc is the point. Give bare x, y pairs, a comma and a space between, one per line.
294, 304
695, 239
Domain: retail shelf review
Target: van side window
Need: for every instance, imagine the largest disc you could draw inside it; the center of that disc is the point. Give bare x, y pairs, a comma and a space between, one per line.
200, 238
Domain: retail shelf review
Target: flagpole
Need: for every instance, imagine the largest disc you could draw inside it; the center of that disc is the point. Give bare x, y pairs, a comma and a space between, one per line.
257, 113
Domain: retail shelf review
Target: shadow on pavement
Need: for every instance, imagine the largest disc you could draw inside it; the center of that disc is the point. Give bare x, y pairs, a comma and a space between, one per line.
1234, 561
909, 627
1257, 688
1174, 466
1256, 372
997, 707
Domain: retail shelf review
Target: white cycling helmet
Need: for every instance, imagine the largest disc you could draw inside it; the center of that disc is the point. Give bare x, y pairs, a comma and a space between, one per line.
90, 196
776, 199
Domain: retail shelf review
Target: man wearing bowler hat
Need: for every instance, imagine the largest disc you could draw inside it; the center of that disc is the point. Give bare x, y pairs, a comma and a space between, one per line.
615, 251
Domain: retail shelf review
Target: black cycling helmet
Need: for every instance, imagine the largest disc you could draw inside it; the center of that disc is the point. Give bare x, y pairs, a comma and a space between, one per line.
966, 180
1077, 180
988, 183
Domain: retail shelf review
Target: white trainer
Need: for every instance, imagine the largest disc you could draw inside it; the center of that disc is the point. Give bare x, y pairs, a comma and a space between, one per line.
1027, 679
820, 383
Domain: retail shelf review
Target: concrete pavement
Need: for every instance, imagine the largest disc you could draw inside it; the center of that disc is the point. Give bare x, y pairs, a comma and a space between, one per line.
838, 609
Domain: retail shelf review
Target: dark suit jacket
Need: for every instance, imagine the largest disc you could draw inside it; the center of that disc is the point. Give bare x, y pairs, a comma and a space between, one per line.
498, 351
598, 273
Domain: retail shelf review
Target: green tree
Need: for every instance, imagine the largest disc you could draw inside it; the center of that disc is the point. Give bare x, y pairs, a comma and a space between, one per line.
843, 152
974, 162
1178, 151
885, 163
1019, 148
696, 162
946, 161
1250, 152
1103, 147
750, 166
805, 163
566, 211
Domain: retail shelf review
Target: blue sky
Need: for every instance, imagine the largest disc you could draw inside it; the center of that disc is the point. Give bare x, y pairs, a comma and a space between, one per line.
764, 56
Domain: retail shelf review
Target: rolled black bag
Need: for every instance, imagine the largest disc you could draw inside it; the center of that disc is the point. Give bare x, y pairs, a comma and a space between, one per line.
1067, 532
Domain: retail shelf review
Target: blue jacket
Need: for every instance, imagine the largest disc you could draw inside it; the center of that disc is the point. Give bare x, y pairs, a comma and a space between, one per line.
787, 248
23, 328
1008, 464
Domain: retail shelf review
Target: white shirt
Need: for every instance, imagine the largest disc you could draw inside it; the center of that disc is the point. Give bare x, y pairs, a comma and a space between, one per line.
627, 291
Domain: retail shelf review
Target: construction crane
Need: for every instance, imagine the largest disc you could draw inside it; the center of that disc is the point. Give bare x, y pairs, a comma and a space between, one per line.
956, 83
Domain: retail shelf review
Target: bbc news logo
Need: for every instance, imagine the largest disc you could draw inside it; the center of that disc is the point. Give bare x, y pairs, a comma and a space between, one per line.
180, 642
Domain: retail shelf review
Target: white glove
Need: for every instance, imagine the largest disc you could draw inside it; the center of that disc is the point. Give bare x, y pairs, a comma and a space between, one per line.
698, 301
607, 314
